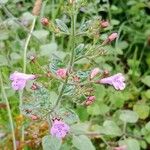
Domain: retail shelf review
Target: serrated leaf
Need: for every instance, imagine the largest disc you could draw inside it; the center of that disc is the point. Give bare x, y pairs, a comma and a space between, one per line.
51, 143
62, 26
82, 142
79, 49
68, 115
128, 116
41, 103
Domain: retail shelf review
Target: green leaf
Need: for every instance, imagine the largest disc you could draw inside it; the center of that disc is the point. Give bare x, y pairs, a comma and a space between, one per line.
128, 116
132, 144
41, 34
79, 49
3, 1
142, 110
82, 142
147, 94
41, 102
3, 61
48, 49
111, 128
62, 26
146, 80
51, 143
4, 35
68, 115
93, 110
123, 45
80, 128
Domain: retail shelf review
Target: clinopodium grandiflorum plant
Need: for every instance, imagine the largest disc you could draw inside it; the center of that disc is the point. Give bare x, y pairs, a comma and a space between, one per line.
67, 87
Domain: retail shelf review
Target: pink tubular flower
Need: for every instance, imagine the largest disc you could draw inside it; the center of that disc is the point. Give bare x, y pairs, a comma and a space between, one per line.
62, 73
112, 37
123, 147
116, 80
104, 24
19, 80
59, 129
94, 72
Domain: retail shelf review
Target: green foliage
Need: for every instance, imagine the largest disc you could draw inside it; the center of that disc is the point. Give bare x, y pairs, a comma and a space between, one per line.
51, 143
118, 117
82, 142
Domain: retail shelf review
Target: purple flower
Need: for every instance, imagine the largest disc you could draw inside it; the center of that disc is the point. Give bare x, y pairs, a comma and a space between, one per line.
19, 80
116, 80
59, 129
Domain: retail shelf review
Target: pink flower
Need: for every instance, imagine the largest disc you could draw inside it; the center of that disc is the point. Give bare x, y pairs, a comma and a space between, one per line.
123, 147
104, 24
94, 72
19, 80
112, 37
62, 73
59, 129
116, 80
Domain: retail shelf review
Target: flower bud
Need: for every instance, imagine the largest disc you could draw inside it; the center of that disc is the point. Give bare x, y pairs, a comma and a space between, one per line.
94, 72
34, 117
104, 24
62, 73
34, 86
45, 21
90, 100
112, 37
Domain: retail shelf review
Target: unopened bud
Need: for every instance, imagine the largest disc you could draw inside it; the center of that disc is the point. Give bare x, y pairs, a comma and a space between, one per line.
45, 21
104, 24
34, 117
106, 73
34, 86
90, 100
112, 37
94, 72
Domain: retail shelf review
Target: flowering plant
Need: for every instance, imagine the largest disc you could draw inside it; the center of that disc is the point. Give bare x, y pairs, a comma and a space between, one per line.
73, 79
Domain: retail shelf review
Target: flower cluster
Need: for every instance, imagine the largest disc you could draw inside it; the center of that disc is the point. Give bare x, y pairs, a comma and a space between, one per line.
59, 129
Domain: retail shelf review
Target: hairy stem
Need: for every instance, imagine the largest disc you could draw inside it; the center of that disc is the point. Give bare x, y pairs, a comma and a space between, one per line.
73, 20
9, 112
24, 68
26, 45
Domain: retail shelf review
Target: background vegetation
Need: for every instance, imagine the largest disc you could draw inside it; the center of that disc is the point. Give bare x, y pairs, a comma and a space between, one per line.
129, 54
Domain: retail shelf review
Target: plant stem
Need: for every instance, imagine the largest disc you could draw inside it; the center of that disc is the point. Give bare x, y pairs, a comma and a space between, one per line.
26, 45
9, 112
73, 25
24, 68
73, 20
